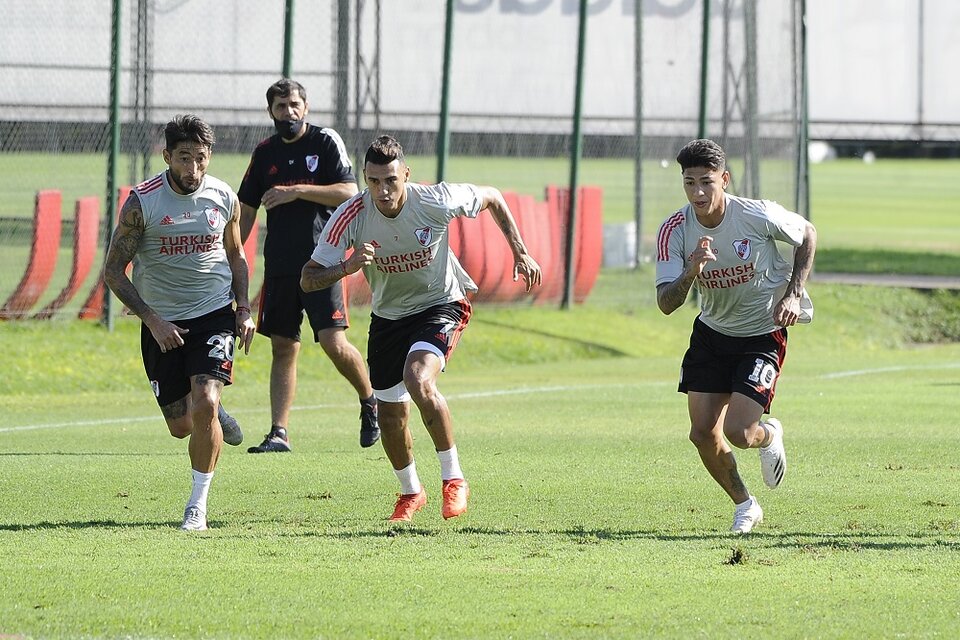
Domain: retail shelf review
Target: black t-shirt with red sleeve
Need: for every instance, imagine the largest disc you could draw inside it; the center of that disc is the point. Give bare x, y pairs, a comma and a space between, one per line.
293, 229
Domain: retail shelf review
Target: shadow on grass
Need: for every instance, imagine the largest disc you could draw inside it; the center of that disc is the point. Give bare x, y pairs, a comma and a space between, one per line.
87, 524
130, 454
806, 541
796, 540
603, 349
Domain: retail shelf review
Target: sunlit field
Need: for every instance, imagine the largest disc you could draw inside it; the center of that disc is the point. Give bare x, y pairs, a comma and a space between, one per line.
591, 515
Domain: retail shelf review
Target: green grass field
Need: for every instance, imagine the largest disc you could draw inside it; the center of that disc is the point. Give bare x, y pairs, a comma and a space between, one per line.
591, 515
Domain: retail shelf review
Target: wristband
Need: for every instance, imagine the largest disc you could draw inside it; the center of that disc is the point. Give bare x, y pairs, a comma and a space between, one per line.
344, 267
242, 308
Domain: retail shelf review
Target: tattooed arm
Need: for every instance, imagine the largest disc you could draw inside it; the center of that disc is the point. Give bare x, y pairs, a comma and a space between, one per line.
671, 295
315, 276
523, 263
123, 247
787, 310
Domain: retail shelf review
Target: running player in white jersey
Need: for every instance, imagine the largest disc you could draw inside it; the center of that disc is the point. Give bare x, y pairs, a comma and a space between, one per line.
181, 230
398, 232
727, 247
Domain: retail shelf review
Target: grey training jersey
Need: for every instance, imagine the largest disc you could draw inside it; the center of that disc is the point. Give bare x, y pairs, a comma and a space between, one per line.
181, 268
739, 290
414, 268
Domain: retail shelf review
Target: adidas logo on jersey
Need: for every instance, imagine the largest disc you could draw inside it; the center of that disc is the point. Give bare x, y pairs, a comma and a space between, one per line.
166, 220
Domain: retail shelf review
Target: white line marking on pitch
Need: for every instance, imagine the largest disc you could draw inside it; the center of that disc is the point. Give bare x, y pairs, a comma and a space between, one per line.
452, 396
863, 372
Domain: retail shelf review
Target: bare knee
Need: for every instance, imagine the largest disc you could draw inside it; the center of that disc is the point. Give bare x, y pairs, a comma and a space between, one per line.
393, 416
205, 404
283, 348
329, 339
738, 435
702, 437
422, 388
335, 344
179, 429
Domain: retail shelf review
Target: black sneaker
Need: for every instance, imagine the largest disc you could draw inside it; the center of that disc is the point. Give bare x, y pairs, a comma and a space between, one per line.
274, 442
369, 427
232, 434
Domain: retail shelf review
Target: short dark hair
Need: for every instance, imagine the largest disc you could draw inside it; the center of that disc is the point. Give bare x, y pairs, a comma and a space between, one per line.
188, 128
283, 88
702, 153
384, 150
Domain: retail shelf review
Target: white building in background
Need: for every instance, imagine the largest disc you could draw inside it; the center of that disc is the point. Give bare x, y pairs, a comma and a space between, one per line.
877, 69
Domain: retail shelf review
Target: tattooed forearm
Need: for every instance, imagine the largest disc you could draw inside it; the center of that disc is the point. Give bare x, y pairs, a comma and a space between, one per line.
123, 247
803, 260
671, 295
498, 209
314, 276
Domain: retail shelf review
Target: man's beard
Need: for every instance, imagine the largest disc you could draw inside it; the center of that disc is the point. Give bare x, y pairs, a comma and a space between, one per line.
184, 188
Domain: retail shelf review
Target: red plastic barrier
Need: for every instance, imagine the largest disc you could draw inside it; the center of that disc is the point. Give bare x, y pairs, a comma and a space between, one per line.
508, 290
535, 230
556, 203
86, 230
250, 249
498, 261
43, 255
93, 306
470, 247
588, 245
589, 241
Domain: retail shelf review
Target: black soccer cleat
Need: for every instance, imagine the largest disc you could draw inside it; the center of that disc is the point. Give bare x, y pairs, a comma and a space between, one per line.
369, 427
274, 442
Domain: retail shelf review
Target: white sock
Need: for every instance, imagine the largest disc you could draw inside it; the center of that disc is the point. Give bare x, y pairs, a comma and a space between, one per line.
201, 486
767, 434
449, 464
409, 481
744, 504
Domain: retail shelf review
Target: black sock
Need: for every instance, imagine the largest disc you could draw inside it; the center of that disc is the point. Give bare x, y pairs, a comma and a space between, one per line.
370, 402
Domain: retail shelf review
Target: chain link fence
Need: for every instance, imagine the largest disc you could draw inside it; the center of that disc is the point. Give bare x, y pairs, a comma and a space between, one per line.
373, 66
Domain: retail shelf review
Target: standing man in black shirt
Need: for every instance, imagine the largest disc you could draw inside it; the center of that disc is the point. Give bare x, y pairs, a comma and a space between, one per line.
300, 175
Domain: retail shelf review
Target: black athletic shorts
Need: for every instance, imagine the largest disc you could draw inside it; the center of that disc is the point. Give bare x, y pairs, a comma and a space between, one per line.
283, 302
718, 363
390, 340
207, 349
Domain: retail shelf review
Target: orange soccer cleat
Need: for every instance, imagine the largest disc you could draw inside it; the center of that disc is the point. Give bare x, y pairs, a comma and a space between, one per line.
455, 494
407, 505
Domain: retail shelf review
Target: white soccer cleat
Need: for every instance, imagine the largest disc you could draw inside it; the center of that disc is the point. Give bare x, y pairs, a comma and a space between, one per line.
194, 520
773, 457
746, 517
